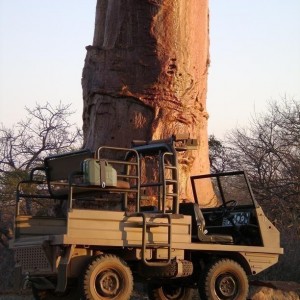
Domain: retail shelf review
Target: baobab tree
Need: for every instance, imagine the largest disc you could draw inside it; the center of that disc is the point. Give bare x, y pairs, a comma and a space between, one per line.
145, 76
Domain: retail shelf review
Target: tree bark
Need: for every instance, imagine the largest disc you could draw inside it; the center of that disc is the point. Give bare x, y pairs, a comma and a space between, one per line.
145, 76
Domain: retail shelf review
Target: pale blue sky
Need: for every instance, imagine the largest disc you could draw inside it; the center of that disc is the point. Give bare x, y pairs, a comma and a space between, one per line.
254, 46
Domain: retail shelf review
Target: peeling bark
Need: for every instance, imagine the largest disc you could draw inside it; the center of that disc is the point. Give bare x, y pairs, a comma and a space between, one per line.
145, 76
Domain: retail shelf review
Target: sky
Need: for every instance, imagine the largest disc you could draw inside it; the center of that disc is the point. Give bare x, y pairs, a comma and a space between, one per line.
254, 52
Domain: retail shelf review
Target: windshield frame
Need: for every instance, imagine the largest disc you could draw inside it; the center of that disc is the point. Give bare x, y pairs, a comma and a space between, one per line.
218, 177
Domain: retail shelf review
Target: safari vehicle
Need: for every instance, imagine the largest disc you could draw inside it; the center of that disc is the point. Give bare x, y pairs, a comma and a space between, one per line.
95, 223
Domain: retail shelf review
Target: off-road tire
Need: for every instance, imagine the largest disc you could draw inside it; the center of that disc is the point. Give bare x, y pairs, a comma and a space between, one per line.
169, 292
106, 277
225, 279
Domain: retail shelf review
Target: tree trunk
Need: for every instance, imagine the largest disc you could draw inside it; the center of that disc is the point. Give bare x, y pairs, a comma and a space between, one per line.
145, 76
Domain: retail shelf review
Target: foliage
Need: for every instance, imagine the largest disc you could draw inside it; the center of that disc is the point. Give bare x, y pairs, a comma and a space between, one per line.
269, 151
46, 130
218, 155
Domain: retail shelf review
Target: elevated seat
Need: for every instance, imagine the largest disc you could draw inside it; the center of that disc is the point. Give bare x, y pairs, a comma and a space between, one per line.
198, 225
56, 169
75, 176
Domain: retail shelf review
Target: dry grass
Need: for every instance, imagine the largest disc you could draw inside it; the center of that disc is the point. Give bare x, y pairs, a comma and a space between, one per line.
270, 294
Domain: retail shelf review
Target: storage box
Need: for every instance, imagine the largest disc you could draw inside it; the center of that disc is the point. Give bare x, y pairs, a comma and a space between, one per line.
97, 172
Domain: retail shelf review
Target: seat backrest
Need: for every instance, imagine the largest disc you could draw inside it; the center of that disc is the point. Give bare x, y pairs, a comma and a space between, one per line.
199, 217
198, 225
60, 166
189, 210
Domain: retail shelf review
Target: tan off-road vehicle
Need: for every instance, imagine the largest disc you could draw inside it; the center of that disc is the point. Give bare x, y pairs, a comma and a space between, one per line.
89, 225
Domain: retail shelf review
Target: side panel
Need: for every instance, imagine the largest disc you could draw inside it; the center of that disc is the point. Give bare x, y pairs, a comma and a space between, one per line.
26, 226
259, 261
88, 227
269, 233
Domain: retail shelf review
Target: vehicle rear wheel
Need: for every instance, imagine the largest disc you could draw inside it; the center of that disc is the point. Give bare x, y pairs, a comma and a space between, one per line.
169, 292
107, 277
224, 280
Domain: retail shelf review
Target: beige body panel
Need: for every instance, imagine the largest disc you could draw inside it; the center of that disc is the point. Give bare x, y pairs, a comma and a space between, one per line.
259, 261
102, 228
269, 233
115, 229
110, 228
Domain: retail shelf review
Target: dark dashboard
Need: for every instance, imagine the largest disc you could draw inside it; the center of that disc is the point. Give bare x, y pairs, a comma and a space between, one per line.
240, 223
244, 215
237, 218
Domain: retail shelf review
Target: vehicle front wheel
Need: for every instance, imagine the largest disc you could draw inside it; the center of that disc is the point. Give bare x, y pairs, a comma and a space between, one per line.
107, 277
224, 280
169, 292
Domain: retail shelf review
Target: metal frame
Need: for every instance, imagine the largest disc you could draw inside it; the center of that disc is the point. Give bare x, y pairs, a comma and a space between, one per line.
218, 175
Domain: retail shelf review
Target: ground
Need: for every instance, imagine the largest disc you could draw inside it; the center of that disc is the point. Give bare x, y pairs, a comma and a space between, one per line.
258, 291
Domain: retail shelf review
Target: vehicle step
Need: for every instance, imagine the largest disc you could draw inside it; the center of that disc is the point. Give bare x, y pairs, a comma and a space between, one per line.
171, 167
171, 181
158, 245
171, 195
158, 224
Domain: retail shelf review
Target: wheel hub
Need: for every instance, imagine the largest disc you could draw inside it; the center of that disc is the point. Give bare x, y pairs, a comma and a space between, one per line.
108, 284
226, 286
